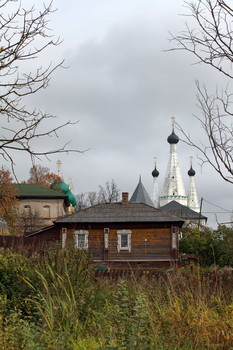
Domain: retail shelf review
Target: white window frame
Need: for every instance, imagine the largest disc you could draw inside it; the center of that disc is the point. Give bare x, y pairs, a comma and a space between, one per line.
119, 234
63, 237
81, 232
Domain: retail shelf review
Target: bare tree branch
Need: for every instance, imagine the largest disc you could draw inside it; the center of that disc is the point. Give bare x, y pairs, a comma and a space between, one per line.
109, 193
210, 40
24, 36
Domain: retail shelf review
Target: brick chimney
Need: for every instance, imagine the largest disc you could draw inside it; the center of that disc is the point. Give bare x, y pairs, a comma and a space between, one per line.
125, 198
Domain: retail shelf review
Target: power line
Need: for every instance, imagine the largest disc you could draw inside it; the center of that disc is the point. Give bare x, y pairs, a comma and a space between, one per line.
216, 212
225, 210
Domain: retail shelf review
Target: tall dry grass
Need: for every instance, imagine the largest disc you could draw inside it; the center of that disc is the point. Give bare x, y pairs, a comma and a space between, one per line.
184, 309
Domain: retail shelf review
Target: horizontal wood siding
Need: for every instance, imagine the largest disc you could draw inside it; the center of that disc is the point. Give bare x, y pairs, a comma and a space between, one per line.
95, 241
147, 243
156, 246
96, 244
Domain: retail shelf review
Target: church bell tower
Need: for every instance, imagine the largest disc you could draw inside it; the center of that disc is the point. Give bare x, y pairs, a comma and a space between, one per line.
173, 188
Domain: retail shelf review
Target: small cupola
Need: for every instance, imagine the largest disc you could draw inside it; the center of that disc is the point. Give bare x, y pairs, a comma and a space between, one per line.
173, 138
191, 172
155, 172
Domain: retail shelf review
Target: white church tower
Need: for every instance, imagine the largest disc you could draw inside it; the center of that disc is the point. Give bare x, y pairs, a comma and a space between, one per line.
155, 193
192, 193
173, 188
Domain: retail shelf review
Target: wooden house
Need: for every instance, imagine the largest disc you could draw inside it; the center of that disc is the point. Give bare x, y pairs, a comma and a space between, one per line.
121, 235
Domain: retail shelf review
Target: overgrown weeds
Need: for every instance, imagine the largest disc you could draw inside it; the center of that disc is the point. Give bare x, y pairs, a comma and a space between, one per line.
56, 302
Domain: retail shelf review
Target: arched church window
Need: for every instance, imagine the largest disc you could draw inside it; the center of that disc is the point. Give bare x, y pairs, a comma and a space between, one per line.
46, 211
27, 209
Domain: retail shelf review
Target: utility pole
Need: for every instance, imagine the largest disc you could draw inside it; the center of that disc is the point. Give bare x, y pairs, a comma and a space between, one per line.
199, 219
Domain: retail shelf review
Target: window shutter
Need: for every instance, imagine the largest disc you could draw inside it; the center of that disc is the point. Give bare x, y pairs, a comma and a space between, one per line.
118, 242
63, 237
86, 239
106, 238
174, 232
129, 238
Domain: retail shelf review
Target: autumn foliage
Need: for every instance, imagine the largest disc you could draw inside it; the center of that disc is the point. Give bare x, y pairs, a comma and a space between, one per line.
41, 175
8, 203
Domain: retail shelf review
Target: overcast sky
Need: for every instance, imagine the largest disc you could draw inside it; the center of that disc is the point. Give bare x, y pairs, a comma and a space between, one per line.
123, 89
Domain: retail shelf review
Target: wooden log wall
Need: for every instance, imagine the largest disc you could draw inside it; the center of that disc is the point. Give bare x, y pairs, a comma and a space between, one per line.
146, 243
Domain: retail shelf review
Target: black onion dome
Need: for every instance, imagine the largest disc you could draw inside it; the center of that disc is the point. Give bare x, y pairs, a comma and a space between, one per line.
173, 138
155, 172
191, 172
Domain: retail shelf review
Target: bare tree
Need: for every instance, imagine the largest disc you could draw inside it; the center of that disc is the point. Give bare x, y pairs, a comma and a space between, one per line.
92, 198
24, 37
109, 193
85, 200
28, 221
210, 41
81, 201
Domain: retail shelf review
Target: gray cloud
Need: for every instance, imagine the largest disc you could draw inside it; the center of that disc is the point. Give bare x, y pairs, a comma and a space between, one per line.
123, 89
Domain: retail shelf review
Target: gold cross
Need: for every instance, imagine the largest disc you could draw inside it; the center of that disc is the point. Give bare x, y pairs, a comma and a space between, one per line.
173, 121
191, 160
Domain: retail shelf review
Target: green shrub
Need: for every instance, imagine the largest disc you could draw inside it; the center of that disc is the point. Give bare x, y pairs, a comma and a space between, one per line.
14, 268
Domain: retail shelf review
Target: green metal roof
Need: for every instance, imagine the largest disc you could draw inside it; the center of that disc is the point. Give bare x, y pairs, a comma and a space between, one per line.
37, 191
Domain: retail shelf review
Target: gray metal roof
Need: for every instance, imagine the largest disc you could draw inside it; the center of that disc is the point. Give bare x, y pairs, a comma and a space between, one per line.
181, 211
140, 195
118, 212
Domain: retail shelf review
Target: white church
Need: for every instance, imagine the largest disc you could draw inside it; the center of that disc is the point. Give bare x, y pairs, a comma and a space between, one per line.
173, 197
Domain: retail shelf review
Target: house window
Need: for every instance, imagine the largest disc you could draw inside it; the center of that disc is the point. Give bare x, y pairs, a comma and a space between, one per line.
81, 239
63, 237
46, 211
27, 211
124, 240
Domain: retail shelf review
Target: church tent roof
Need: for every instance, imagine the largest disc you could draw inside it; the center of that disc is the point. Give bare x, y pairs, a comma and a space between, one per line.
140, 195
